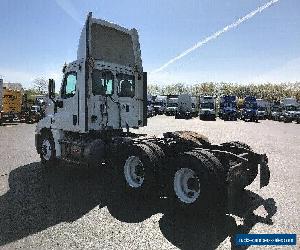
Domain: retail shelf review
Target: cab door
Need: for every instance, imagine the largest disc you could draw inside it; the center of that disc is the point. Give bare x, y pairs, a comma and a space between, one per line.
67, 111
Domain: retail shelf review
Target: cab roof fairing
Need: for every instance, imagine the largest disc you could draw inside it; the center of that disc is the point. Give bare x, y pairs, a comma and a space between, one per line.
81, 51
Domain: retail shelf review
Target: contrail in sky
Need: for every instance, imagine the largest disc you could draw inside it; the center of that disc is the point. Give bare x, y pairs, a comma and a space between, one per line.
216, 34
68, 7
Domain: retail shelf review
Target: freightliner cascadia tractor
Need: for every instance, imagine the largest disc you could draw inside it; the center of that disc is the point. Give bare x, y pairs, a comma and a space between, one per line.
103, 94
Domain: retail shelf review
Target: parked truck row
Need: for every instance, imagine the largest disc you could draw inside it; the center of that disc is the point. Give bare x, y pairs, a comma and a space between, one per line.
226, 107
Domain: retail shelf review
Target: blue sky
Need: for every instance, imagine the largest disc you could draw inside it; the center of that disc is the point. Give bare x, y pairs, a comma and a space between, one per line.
37, 37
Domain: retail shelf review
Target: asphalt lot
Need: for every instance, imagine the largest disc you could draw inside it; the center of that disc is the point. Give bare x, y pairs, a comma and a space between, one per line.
76, 208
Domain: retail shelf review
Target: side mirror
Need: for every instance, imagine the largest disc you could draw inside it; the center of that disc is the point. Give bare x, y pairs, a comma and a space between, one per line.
51, 89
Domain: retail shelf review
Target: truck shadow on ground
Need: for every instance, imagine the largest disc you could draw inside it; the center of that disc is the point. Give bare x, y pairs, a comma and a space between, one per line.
194, 231
38, 200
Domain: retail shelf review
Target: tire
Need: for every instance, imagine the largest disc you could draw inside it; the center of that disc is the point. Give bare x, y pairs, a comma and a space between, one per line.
134, 173
47, 150
206, 193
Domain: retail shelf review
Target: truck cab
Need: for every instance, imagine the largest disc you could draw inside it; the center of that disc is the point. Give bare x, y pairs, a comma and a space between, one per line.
184, 109
103, 91
160, 104
249, 110
228, 108
172, 106
207, 108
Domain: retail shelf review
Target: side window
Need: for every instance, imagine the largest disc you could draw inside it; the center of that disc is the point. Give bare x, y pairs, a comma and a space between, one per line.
103, 82
126, 86
69, 85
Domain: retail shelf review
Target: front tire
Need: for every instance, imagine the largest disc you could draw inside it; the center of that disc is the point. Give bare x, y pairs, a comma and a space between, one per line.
47, 150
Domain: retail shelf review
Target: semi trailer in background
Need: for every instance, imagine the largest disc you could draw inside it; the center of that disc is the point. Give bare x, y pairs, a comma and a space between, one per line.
207, 109
184, 109
228, 107
11, 102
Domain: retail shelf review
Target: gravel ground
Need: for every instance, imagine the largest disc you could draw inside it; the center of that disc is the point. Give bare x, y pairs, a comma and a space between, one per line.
75, 208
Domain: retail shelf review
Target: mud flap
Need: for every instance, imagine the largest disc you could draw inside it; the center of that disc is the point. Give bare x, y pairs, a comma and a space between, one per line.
264, 172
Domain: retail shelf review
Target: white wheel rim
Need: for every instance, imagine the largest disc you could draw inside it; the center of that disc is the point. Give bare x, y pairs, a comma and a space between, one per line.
186, 185
134, 172
46, 150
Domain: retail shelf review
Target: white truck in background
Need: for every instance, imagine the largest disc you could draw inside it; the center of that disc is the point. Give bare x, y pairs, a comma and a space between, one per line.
263, 109
160, 104
184, 109
207, 108
172, 106
289, 109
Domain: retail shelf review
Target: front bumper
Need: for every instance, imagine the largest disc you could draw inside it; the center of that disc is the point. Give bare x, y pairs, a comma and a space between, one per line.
207, 115
170, 112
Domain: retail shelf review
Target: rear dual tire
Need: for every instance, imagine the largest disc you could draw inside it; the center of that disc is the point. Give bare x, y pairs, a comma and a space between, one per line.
134, 173
197, 183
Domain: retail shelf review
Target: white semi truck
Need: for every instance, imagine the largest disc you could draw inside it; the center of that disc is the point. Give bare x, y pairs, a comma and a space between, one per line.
289, 112
103, 95
263, 109
172, 106
184, 109
207, 109
160, 104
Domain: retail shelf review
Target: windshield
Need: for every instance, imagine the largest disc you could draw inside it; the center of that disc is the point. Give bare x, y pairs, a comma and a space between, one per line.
207, 105
276, 109
290, 108
250, 105
158, 103
173, 105
230, 105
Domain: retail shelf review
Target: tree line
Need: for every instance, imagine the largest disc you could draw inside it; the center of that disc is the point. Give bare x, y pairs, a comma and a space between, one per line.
268, 91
